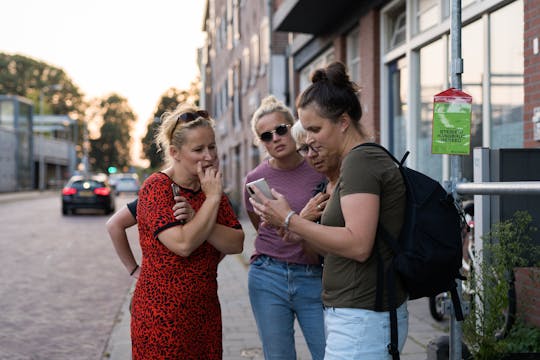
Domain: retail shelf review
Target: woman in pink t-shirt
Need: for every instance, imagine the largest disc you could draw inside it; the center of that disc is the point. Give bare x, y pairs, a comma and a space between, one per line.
284, 278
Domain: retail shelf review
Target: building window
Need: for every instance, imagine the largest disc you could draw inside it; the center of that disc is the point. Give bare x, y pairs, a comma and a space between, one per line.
353, 55
399, 78
245, 70
321, 61
397, 26
255, 58
265, 45
433, 80
236, 21
506, 80
427, 14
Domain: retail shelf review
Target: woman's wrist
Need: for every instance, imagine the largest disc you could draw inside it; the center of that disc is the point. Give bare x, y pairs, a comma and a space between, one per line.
288, 219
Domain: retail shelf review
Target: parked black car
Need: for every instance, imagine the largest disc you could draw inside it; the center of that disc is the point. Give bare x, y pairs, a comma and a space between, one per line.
88, 192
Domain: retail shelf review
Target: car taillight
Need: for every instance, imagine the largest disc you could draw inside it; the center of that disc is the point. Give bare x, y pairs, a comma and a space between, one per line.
102, 191
69, 191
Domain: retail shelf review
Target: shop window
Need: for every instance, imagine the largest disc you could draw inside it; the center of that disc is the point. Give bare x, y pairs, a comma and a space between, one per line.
506, 80
353, 55
397, 26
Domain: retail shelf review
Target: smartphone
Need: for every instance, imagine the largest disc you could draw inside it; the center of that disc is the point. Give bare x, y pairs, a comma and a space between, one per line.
176, 192
175, 189
262, 185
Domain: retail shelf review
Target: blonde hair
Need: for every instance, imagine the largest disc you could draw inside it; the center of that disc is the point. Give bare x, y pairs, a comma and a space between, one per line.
270, 105
173, 130
298, 132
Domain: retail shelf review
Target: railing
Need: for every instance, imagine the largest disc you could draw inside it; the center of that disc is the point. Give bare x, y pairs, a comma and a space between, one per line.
499, 188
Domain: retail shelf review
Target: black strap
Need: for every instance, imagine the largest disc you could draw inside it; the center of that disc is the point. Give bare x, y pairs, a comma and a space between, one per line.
393, 346
456, 302
380, 276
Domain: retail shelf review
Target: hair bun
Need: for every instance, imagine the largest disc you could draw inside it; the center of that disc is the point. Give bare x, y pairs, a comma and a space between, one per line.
319, 75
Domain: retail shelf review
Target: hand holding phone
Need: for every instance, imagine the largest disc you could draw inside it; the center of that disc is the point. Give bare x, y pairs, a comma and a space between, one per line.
262, 185
176, 192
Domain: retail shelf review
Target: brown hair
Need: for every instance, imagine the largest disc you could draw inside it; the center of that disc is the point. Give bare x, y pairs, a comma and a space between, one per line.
333, 94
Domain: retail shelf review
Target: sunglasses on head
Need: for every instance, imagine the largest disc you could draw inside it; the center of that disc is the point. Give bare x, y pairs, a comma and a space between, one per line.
281, 130
189, 117
304, 149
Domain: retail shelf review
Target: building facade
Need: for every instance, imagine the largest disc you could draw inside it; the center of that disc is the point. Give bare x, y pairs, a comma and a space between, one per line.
398, 52
35, 152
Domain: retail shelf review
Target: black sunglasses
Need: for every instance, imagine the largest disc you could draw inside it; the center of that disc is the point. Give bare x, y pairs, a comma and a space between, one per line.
189, 117
281, 130
304, 149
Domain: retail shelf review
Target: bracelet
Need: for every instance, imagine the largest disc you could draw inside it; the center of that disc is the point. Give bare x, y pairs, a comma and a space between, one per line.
288, 219
134, 269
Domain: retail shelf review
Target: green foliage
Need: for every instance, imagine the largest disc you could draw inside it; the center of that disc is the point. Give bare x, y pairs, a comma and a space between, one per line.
521, 339
24, 76
113, 146
167, 103
507, 246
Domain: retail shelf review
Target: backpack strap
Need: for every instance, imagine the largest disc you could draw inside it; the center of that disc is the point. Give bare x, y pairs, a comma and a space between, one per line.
391, 293
382, 233
400, 163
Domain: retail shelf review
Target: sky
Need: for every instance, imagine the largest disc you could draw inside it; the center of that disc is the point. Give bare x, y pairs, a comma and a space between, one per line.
135, 48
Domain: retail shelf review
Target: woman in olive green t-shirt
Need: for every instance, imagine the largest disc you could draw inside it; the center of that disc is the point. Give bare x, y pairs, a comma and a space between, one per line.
369, 190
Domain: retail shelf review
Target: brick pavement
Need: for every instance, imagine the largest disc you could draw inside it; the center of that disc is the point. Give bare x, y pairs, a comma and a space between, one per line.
240, 339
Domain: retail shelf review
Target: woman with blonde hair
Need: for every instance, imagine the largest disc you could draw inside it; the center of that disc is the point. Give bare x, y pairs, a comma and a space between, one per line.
175, 309
284, 281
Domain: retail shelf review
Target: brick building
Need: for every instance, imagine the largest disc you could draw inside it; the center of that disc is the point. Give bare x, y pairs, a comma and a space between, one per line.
397, 51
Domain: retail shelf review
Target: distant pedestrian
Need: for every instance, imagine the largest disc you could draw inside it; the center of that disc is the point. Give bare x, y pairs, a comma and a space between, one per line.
369, 192
284, 281
175, 309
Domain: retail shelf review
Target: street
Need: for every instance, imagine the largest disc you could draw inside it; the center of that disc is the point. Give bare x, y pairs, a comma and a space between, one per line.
61, 284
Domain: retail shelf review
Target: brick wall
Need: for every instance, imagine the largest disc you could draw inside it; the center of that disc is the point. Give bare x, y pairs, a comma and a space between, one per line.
528, 294
531, 69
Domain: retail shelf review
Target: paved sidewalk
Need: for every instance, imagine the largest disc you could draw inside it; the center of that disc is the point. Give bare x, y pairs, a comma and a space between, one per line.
240, 338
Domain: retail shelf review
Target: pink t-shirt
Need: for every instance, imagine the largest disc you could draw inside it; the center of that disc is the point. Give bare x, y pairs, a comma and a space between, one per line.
297, 186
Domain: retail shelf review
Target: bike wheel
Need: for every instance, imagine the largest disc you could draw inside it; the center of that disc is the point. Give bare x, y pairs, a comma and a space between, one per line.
508, 315
436, 306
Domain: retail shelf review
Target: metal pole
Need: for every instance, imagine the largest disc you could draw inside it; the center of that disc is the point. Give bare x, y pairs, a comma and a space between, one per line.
456, 331
41, 169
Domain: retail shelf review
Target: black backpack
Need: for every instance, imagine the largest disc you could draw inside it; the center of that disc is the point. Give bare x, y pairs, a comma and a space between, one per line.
428, 251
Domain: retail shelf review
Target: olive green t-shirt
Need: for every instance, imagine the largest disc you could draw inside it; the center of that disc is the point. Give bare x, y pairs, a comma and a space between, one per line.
346, 282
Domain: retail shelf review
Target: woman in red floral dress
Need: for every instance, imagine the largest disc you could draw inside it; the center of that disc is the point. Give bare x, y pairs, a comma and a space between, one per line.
175, 309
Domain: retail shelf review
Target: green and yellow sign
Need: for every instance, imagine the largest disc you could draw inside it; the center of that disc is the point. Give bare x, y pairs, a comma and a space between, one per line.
451, 135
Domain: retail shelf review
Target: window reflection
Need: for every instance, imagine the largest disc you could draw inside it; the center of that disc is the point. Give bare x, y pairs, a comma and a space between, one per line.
506, 59
472, 40
398, 109
432, 80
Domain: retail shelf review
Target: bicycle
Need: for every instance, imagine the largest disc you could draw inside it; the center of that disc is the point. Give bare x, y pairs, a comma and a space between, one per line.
437, 303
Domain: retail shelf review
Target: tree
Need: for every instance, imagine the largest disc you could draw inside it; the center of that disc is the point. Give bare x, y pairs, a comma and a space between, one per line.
112, 147
24, 76
30, 78
168, 102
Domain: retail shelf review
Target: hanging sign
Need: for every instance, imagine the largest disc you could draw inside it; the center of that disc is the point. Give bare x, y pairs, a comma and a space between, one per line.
452, 110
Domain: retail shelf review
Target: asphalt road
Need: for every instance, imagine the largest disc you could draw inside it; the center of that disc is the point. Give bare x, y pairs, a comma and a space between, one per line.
61, 283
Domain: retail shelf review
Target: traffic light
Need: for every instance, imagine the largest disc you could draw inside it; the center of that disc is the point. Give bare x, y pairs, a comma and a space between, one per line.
112, 169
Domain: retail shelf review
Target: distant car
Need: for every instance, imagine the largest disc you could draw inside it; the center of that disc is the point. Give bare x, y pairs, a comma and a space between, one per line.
127, 184
88, 192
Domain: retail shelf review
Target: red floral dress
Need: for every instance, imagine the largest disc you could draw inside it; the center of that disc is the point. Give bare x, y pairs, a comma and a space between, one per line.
175, 310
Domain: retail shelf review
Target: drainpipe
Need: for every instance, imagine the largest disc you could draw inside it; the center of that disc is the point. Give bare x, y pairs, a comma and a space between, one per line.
269, 72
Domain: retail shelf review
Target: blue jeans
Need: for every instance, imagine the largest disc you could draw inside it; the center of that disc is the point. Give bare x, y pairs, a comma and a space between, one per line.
278, 292
362, 334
